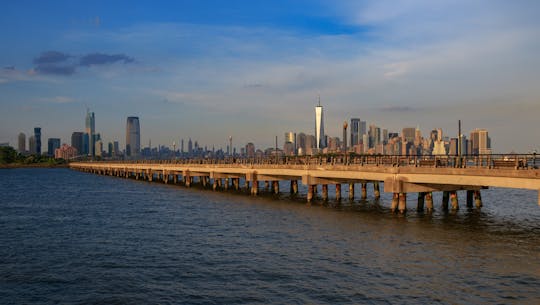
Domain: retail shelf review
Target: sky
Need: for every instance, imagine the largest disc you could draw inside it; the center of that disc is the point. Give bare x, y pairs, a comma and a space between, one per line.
253, 70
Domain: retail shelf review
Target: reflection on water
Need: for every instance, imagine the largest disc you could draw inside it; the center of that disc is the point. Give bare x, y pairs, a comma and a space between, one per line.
71, 237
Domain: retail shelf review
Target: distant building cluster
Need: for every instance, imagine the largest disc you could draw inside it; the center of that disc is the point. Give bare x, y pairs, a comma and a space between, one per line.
373, 139
358, 137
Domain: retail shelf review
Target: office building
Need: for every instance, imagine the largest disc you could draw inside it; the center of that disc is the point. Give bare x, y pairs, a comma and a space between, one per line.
408, 134
90, 129
22, 143
356, 137
133, 137
77, 141
37, 139
250, 150
290, 137
52, 145
320, 139
32, 145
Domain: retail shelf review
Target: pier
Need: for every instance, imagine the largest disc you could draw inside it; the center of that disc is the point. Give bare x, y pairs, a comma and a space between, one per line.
401, 176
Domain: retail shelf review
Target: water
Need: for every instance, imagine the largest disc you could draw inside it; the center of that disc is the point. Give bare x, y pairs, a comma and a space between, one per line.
71, 237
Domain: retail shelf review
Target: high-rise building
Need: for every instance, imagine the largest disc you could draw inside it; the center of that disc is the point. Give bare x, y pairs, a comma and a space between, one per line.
301, 143
32, 145
133, 137
356, 137
484, 142
290, 137
250, 150
310, 144
37, 139
52, 145
22, 143
319, 127
116, 148
77, 141
408, 134
99, 148
90, 125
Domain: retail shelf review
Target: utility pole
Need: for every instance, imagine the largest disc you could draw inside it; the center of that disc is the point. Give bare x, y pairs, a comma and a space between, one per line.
459, 144
277, 158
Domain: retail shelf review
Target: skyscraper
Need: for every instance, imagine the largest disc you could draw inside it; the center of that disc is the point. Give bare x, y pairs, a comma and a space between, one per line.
90, 131
22, 143
77, 141
484, 142
32, 145
356, 137
37, 140
52, 145
133, 137
408, 134
319, 127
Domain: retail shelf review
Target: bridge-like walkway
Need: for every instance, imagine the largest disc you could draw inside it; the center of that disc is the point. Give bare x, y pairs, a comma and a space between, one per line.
400, 178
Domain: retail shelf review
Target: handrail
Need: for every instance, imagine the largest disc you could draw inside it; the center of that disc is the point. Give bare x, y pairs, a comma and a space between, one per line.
488, 161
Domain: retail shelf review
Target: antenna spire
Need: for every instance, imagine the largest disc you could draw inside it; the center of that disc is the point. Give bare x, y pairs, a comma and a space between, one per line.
319, 97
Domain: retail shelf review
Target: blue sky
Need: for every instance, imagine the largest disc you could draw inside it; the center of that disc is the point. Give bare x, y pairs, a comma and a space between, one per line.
253, 69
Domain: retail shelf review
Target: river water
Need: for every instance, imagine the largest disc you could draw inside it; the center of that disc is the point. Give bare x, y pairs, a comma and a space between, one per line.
75, 238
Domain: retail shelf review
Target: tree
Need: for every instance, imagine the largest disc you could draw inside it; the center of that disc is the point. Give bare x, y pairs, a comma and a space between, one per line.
7, 155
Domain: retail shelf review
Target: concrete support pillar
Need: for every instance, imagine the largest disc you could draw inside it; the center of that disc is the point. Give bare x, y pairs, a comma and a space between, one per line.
445, 197
246, 185
338, 192
236, 183
429, 202
226, 184
214, 184
165, 178
267, 185
255, 188
187, 180
402, 203
478, 199
275, 185
351, 191
470, 196
454, 200
175, 178
420, 205
219, 183
376, 190
325, 192
150, 176
294, 187
364, 191
310, 192
395, 202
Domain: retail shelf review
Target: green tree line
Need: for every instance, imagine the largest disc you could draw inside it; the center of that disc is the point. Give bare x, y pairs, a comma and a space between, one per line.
8, 155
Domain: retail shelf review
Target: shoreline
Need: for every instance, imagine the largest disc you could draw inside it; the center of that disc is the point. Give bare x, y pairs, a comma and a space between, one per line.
33, 165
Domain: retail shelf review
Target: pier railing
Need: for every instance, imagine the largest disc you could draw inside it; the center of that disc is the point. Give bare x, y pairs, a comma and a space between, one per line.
491, 161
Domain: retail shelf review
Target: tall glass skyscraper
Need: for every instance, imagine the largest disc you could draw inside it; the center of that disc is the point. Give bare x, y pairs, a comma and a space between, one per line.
319, 126
133, 137
37, 139
356, 137
91, 131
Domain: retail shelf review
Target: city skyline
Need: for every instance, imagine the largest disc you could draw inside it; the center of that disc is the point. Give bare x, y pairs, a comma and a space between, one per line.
253, 69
